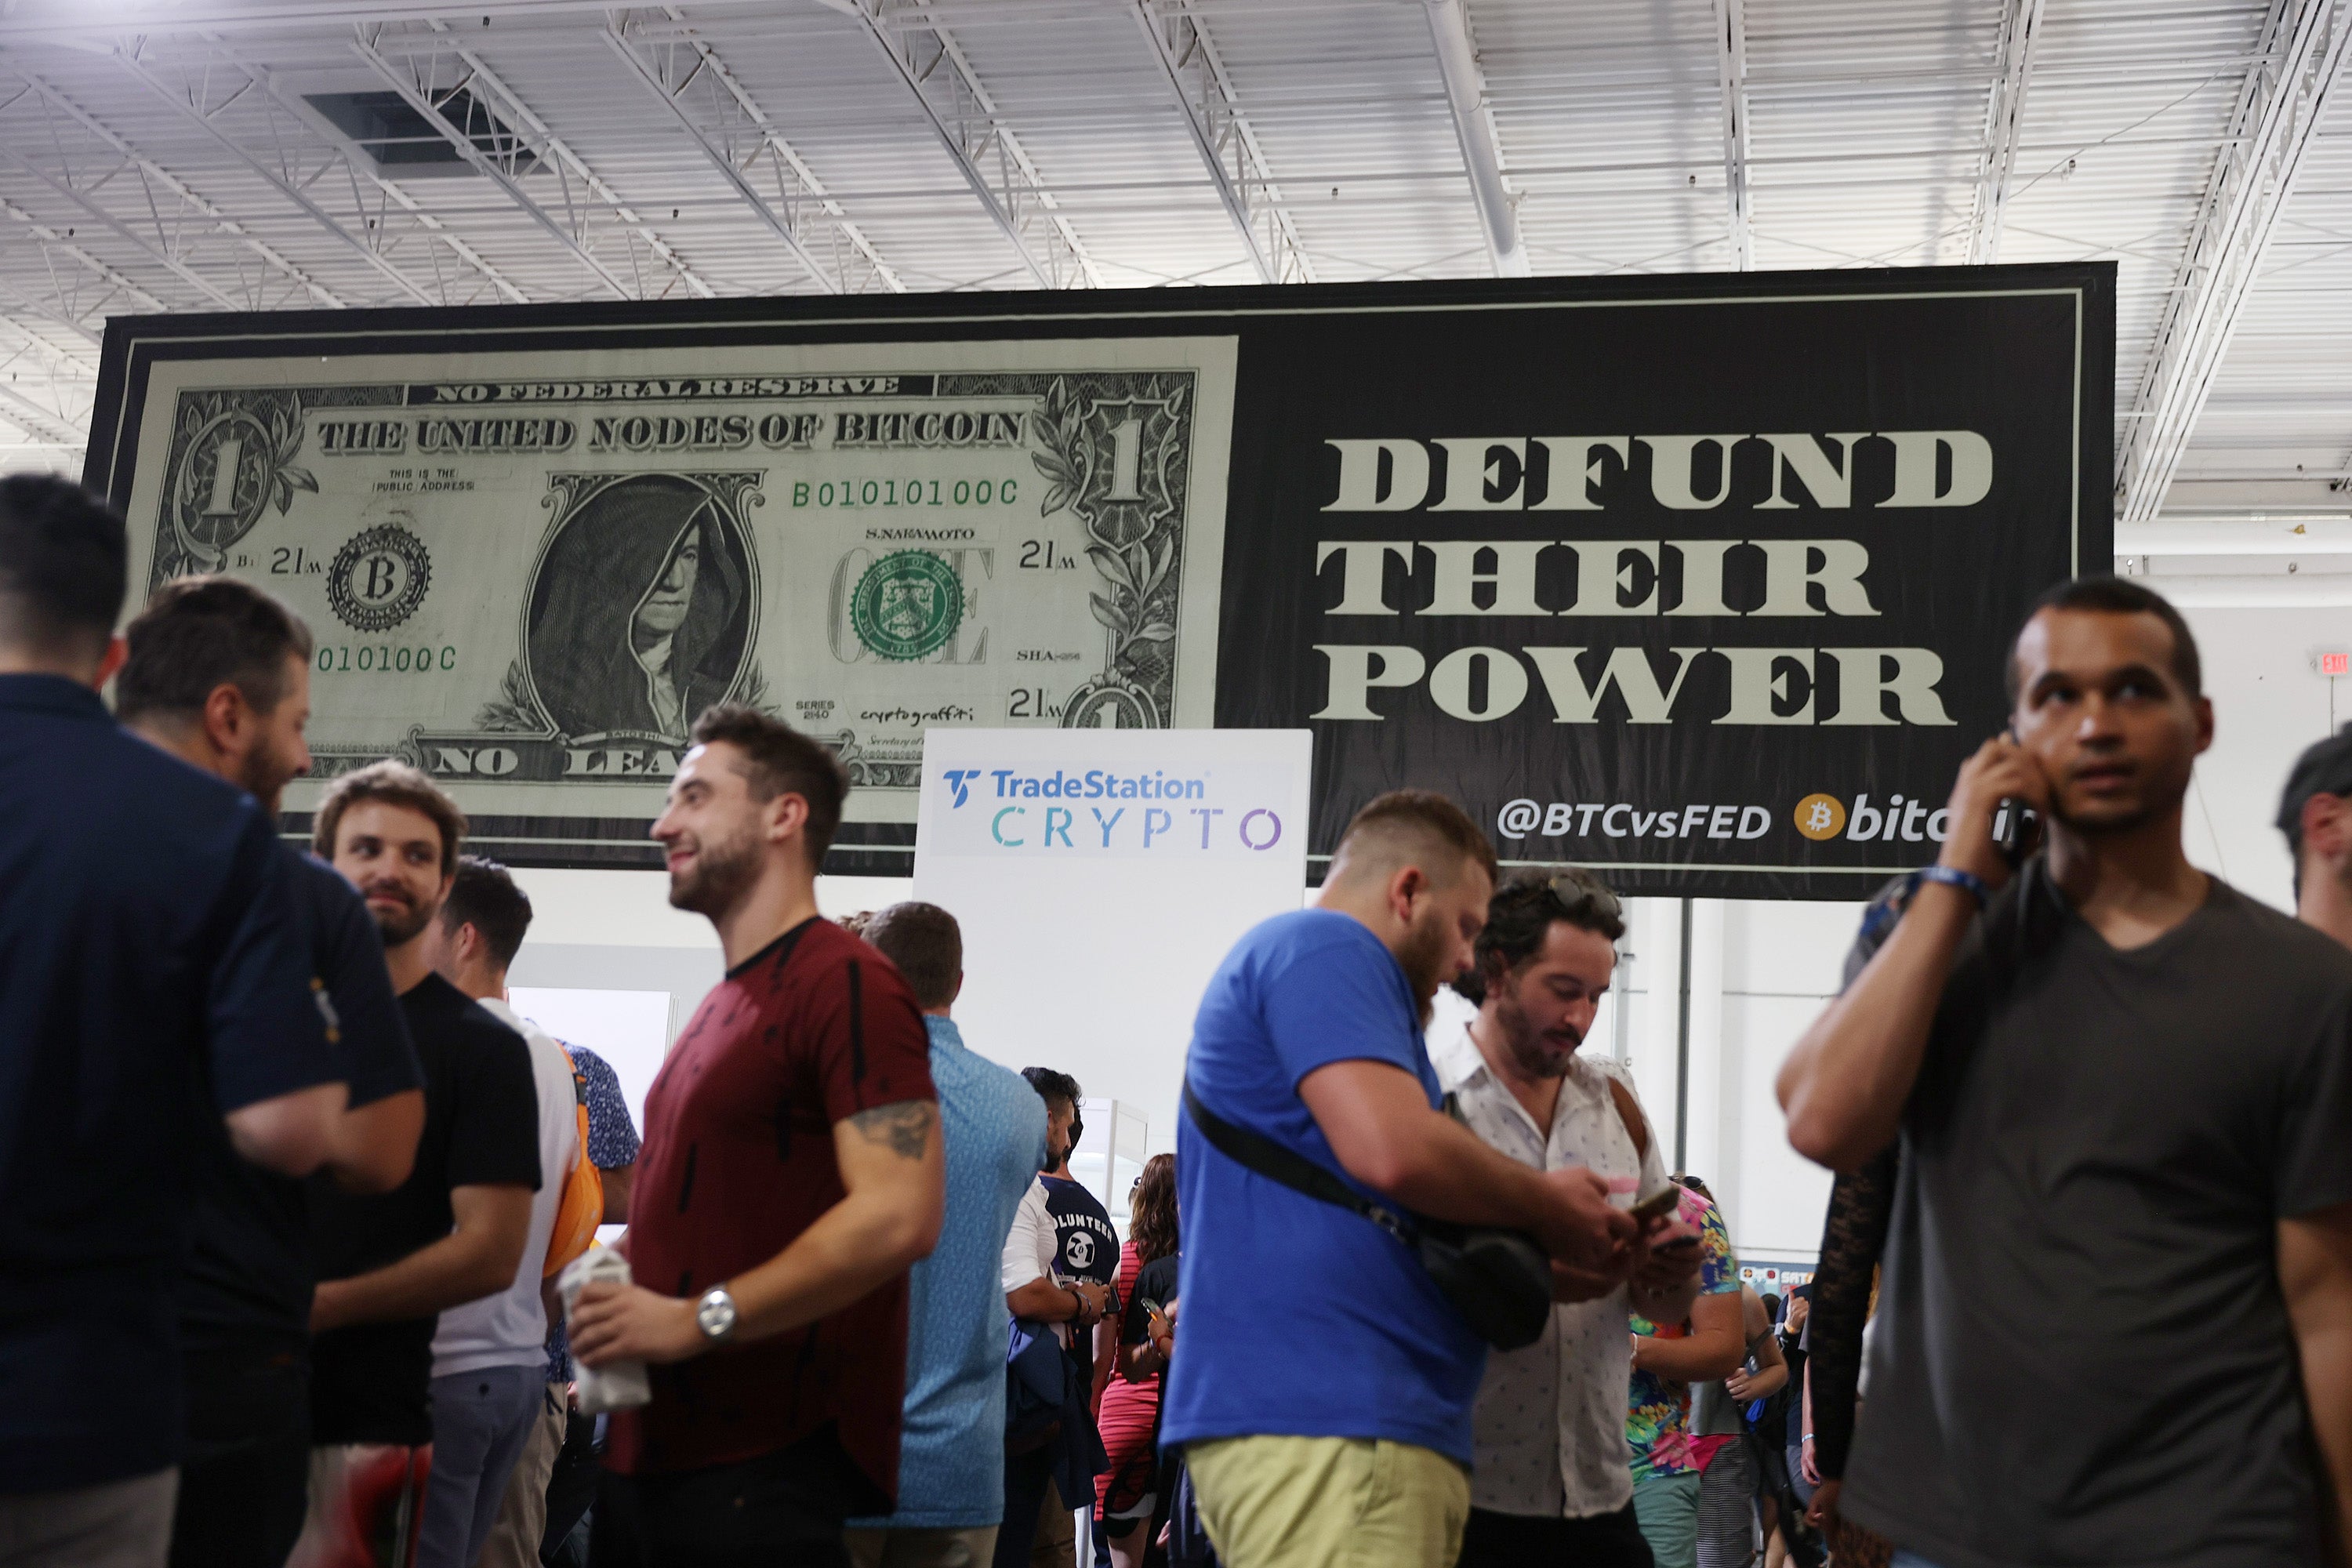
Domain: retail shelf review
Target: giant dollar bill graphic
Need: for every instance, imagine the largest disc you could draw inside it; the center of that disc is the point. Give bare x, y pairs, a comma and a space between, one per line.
528, 576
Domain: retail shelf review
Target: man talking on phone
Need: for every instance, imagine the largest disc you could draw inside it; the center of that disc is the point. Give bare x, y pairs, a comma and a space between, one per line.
2116, 1321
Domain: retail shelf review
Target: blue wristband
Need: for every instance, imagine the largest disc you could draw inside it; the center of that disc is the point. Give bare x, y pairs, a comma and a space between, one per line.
1953, 877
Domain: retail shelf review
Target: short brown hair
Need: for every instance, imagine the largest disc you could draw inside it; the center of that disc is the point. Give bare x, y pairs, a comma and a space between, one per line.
782, 761
484, 896
199, 633
395, 783
1405, 822
926, 943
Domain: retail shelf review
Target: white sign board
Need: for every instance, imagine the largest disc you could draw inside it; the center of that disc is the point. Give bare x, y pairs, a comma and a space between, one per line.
1101, 876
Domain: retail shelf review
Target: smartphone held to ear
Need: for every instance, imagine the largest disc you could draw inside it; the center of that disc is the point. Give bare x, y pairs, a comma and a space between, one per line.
2016, 829
2016, 826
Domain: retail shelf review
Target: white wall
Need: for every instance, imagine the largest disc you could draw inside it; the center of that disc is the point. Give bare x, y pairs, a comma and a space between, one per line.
2269, 703
1761, 970
614, 930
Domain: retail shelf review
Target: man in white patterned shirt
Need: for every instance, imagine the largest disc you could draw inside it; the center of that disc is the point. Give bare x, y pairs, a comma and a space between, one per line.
1551, 1482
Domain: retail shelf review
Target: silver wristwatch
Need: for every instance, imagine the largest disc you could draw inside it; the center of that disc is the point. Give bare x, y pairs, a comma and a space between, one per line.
714, 1314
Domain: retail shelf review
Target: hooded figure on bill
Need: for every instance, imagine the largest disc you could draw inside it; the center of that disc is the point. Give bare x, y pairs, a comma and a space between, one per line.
640, 612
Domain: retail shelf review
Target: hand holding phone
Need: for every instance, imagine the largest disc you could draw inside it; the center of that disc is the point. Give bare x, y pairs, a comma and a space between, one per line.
1994, 801
1657, 1206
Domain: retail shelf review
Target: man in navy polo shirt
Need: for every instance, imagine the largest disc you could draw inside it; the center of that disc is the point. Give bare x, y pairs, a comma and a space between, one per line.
151, 982
219, 676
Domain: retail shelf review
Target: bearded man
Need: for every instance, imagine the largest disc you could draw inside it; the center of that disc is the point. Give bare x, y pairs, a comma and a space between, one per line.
1554, 1479
792, 1171
1325, 1390
390, 1263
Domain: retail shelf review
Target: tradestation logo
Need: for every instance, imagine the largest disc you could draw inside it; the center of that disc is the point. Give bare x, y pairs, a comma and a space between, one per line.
1169, 811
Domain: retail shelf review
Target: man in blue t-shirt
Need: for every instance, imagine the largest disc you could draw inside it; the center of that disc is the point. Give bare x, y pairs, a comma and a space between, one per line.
951, 1446
154, 994
1324, 1384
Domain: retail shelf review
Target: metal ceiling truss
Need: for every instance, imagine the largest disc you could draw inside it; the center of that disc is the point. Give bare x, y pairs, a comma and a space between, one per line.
516, 111
1221, 134
29, 315
744, 145
428, 82
54, 244
2021, 28
527, 161
1473, 126
224, 101
361, 171
62, 423
965, 117
2279, 110
67, 149
1731, 76
44, 392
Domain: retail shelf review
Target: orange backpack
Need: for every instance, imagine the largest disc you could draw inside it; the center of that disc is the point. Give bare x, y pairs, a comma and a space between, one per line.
582, 1209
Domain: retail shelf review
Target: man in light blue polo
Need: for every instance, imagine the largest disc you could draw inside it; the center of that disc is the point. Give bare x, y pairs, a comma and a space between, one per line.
951, 1444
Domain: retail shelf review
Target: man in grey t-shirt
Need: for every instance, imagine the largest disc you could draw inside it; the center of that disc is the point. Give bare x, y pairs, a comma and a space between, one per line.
2119, 1273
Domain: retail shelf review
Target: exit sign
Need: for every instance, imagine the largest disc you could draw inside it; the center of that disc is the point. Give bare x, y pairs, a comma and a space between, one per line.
2335, 663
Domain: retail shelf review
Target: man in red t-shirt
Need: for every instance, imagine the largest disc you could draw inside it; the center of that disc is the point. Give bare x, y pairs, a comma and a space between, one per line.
792, 1172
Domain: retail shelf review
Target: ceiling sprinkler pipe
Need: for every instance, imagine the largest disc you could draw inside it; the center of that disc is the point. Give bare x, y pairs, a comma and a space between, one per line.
1466, 93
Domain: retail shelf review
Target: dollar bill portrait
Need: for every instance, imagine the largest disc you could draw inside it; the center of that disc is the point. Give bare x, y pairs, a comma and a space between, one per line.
640, 613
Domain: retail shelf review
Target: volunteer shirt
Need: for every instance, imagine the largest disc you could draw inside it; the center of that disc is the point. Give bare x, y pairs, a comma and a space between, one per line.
510, 1328
367, 1383
813, 1029
152, 978
951, 1447
1084, 1244
2082, 1354
248, 1276
1300, 1318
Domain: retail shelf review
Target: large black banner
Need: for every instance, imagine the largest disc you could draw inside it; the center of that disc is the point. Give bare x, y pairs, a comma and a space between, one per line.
1703, 581
1707, 583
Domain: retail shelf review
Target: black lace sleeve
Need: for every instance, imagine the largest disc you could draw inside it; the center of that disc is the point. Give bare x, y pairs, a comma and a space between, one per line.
1852, 1236
1860, 1206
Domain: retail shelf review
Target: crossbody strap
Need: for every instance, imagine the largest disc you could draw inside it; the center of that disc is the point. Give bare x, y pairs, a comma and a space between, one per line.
1637, 1126
1269, 1159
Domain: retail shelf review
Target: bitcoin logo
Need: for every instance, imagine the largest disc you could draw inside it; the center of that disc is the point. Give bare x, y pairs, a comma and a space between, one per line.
1820, 817
378, 578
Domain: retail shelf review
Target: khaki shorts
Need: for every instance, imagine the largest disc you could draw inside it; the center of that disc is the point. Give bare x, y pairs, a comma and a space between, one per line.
921, 1548
1329, 1502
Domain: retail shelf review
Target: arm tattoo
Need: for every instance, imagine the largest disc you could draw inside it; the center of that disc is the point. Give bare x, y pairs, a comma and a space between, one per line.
906, 1126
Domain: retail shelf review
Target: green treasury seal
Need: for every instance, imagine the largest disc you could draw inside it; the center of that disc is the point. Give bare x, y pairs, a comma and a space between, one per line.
907, 606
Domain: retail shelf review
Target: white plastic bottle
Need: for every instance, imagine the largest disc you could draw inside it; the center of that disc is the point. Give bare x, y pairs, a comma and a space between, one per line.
622, 1384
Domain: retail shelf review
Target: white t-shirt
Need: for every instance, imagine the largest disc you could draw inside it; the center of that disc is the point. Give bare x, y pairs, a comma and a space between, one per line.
1029, 1247
1550, 1419
510, 1328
